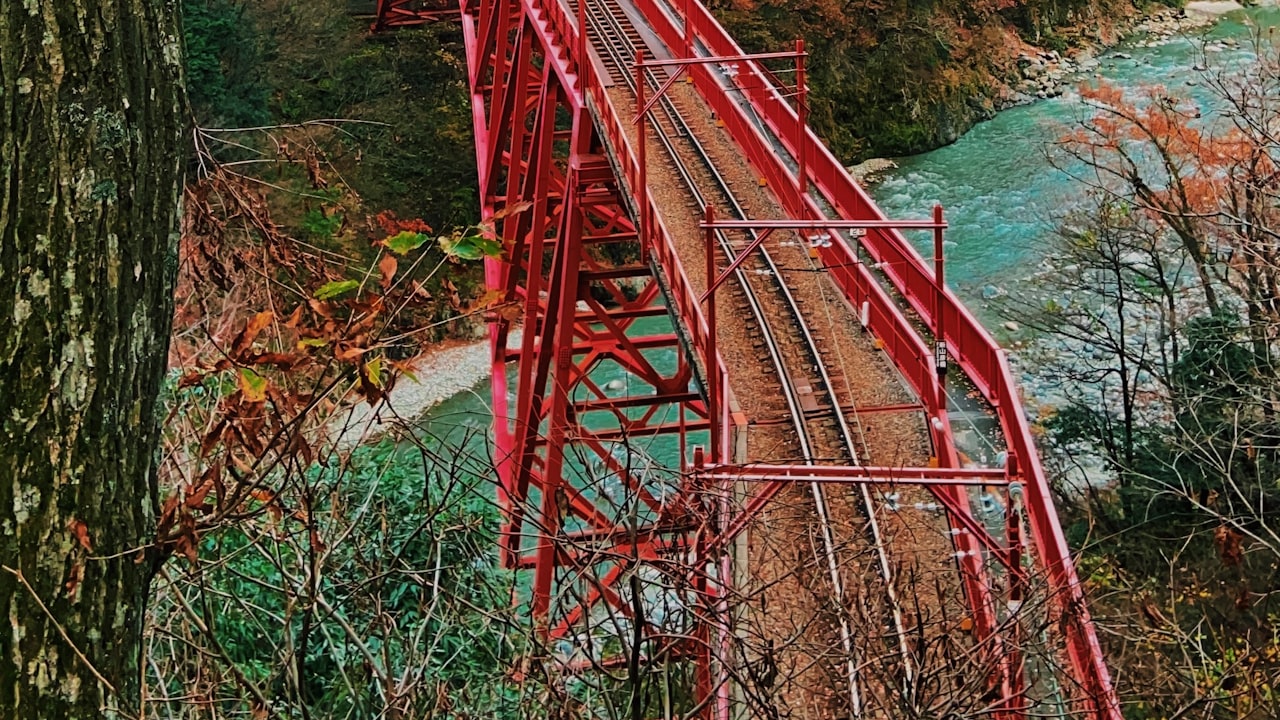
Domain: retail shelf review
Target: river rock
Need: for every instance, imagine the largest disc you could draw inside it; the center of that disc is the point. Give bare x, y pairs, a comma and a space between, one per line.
1212, 7
869, 172
1011, 326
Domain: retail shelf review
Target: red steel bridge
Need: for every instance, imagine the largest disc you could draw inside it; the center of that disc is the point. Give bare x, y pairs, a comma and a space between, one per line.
612, 139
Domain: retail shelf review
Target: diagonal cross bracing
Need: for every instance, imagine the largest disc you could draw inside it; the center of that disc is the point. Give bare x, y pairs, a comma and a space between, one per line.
560, 182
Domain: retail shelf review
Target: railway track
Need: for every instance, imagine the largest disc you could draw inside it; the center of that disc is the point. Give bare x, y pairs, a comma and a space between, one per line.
826, 432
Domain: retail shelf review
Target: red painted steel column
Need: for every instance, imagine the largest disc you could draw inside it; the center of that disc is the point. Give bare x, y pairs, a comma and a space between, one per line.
642, 192
939, 309
713, 376
802, 124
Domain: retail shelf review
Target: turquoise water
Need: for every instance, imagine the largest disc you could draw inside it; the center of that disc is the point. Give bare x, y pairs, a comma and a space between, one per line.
460, 427
1001, 196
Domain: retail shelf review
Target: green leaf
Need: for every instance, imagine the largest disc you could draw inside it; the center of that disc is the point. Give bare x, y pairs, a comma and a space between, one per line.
470, 247
253, 385
336, 288
373, 369
405, 242
312, 342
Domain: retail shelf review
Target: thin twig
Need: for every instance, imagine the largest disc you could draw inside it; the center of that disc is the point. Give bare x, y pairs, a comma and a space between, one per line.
61, 630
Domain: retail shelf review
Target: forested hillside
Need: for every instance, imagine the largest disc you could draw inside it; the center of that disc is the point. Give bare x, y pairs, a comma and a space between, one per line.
894, 77
889, 77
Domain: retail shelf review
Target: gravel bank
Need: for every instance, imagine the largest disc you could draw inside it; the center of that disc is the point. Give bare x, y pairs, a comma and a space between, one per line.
442, 372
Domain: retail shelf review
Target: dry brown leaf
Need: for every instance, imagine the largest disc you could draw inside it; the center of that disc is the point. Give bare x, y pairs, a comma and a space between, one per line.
387, 266
252, 329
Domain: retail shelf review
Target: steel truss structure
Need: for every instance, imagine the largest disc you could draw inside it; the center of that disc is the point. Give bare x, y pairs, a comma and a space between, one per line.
629, 560
392, 14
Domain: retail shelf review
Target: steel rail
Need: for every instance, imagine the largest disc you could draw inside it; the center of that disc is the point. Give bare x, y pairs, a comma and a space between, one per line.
609, 24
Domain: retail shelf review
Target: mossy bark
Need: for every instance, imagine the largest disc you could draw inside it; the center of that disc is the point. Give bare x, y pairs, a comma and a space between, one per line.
91, 136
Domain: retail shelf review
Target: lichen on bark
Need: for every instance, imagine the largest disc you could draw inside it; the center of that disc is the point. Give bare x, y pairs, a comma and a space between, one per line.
92, 126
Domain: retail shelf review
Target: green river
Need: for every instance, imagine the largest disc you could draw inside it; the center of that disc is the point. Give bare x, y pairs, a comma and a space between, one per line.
1001, 195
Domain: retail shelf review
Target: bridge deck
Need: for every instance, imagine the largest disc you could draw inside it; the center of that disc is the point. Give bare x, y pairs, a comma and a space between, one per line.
791, 614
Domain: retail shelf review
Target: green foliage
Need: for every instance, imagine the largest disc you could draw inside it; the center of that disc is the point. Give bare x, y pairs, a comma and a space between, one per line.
1218, 367
400, 552
470, 247
223, 64
319, 225
405, 242
411, 155
334, 289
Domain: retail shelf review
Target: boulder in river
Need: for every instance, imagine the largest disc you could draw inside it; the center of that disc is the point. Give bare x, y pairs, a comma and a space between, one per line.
871, 171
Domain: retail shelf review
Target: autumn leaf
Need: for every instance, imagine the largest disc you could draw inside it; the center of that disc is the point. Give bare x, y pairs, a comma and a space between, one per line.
373, 369
387, 266
263, 495
470, 247
74, 578
513, 209
490, 298
317, 545
311, 342
333, 289
252, 329
405, 242
211, 438
294, 318
508, 311
191, 378
320, 308
197, 496
253, 385
1228, 540
81, 531
349, 352
185, 546
406, 370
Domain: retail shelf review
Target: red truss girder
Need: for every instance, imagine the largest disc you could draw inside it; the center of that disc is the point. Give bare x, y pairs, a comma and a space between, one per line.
755, 112
559, 179
549, 189
391, 14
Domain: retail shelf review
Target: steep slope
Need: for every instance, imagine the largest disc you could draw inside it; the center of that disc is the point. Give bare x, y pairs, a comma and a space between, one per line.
895, 77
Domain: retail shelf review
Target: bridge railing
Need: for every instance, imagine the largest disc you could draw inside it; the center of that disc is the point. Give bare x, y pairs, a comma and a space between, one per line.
973, 349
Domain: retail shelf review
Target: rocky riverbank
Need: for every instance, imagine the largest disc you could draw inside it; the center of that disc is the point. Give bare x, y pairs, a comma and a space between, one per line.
1049, 73
440, 373
1043, 73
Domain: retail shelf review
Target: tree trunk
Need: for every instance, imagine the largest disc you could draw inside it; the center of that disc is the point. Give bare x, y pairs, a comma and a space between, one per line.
91, 136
